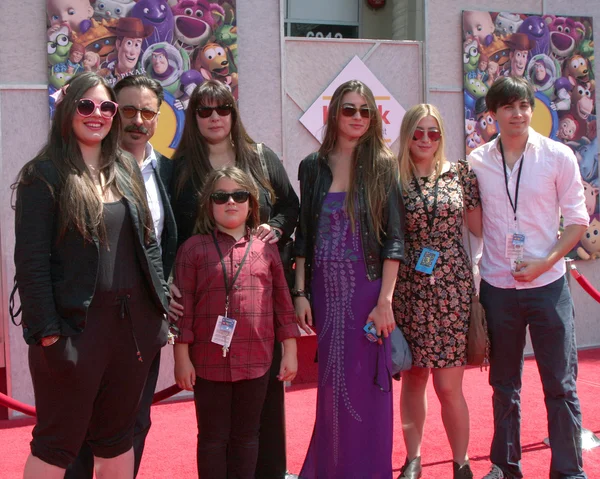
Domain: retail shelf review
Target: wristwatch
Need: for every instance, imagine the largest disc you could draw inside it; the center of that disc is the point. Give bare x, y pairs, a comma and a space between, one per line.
299, 293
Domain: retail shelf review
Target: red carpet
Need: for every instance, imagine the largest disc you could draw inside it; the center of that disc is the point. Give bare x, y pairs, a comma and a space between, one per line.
170, 449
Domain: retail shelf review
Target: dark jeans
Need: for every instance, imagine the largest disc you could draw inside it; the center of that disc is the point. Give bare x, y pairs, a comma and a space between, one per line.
83, 467
548, 311
228, 415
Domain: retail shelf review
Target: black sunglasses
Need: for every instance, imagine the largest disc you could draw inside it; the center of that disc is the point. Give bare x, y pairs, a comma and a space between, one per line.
222, 197
206, 111
86, 107
350, 110
130, 111
433, 135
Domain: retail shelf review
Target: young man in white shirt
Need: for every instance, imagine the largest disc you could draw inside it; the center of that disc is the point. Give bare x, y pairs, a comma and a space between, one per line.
526, 183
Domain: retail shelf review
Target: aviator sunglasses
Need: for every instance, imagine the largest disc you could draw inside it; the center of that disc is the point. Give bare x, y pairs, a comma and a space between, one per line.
206, 111
86, 107
433, 135
130, 111
221, 197
350, 110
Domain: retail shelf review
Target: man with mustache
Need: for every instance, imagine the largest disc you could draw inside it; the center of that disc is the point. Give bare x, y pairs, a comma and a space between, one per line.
139, 99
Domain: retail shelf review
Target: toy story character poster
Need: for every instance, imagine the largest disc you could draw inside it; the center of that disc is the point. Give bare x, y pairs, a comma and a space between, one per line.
556, 55
180, 43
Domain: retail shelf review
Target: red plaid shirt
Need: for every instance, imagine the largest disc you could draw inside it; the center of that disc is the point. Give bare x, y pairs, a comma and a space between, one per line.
259, 300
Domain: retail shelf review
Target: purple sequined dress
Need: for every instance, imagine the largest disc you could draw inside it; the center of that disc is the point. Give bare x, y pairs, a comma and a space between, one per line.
353, 429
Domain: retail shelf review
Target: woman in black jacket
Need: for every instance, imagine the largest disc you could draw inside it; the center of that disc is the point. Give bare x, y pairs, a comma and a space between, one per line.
349, 243
89, 274
214, 137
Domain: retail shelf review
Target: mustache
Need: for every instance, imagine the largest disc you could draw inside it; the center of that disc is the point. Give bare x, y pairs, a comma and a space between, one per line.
136, 129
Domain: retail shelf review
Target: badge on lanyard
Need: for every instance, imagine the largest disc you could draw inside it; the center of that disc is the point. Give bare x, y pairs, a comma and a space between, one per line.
223, 333
515, 246
225, 326
428, 257
427, 260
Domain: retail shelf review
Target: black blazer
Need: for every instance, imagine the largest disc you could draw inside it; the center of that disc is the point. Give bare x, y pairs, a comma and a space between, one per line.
57, 279
168, 242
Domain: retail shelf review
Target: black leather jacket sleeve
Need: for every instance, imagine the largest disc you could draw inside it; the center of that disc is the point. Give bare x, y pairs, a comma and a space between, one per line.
284, 213
395, 215
35, 219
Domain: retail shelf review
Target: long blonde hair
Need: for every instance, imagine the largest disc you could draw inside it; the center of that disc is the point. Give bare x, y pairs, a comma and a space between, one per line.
371, 156
409, 124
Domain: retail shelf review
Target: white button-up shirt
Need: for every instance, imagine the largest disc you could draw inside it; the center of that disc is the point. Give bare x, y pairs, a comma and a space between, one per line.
550, 186
152, 192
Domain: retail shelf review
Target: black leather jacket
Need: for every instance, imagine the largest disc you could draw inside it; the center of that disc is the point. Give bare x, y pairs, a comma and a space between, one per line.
315, 180
57, 279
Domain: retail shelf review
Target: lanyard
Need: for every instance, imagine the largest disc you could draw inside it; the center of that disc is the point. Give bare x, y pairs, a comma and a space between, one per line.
514, 205
228, 285
430, 219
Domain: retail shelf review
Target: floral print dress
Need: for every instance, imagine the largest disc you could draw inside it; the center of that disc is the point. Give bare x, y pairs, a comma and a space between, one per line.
433, 310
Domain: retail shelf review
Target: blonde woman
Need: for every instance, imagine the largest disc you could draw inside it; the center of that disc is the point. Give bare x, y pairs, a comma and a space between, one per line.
433, 291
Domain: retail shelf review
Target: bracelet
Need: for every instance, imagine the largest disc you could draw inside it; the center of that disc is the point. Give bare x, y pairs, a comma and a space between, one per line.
299, 293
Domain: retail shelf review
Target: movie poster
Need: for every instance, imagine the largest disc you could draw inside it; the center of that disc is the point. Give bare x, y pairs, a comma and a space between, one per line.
556, 54
180, 43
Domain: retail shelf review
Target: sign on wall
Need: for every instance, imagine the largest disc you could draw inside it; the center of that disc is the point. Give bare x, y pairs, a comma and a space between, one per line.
556, 54
180, 43
315, 117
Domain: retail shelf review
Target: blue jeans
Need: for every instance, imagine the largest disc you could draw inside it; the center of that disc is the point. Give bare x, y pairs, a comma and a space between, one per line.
548, 311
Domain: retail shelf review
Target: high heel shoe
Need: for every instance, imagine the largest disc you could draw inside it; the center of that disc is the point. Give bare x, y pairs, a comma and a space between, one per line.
411, 469
462, 472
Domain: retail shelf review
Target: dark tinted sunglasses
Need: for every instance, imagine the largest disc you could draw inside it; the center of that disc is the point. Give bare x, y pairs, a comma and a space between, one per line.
221, 197
350, 110
206, 111
433, 135
86, 107
131, 111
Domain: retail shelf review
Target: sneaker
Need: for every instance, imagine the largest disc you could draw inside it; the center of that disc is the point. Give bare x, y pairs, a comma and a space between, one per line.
495, 473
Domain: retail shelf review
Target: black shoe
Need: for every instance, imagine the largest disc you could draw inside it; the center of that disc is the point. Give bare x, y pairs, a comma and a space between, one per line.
462, 472
411, 469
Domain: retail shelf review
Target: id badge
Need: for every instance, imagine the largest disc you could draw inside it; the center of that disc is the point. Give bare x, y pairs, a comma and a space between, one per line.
223, 332
515, 246
427, 261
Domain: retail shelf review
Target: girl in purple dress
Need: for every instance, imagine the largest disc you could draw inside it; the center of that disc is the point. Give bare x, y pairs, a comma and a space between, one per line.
348, 246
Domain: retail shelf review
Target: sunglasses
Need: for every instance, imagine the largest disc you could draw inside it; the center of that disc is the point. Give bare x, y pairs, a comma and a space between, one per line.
86, 107
350, 110
221, 197
131, 111
206, 111
433, 135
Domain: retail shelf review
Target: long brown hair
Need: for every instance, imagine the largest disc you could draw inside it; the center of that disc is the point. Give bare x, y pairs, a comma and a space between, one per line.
78, 201
205, 220
193, 147
409, 124
373, 163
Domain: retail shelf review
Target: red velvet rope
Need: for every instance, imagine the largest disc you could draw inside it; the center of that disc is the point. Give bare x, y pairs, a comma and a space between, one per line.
30, 410
584, 283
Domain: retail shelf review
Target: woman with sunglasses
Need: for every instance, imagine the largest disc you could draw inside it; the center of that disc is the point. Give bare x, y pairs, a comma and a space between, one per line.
433, 293
89, 274
214, 137
348, 245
